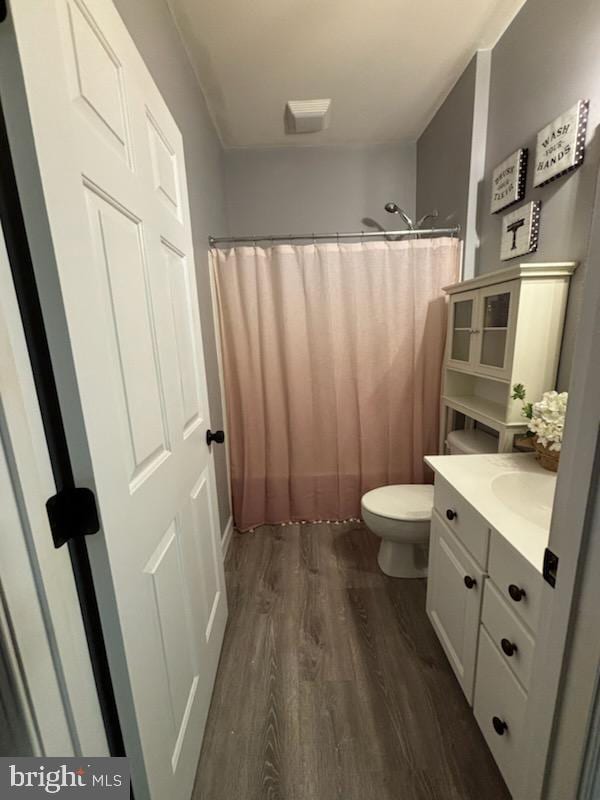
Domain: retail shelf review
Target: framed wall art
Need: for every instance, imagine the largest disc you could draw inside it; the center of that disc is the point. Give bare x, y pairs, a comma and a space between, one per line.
508, 181
520, 231
561, 144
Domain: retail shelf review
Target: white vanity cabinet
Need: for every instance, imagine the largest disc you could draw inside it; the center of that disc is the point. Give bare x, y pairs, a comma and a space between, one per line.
504, 327
484, 596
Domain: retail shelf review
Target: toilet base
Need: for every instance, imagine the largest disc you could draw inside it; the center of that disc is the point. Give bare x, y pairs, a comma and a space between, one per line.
400, 560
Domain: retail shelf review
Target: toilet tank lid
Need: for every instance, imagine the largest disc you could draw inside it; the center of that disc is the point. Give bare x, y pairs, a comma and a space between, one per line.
409, 502
473, 441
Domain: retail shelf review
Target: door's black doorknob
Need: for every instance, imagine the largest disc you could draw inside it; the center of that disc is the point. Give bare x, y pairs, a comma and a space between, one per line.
216, 436
469, 581
499, 726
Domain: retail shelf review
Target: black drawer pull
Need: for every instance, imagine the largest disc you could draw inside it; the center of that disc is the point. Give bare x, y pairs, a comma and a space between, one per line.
470, 582
451, 514
508, 647
516, 593
499, 726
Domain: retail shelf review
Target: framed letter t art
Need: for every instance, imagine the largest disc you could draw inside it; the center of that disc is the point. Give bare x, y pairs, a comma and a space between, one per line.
520, 231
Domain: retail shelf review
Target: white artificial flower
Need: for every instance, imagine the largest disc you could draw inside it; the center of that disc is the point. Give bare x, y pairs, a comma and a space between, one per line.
548, 419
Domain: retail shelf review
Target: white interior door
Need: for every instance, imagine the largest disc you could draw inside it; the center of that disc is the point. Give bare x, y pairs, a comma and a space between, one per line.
112, 171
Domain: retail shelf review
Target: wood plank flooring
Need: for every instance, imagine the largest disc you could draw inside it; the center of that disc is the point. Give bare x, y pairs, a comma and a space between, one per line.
332, 684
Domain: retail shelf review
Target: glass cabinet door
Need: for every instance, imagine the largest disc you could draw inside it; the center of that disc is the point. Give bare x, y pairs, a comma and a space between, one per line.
495, 322
463, 313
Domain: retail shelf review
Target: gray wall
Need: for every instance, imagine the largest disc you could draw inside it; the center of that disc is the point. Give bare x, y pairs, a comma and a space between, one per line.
151, 26
444, 154
546, 60
317, 189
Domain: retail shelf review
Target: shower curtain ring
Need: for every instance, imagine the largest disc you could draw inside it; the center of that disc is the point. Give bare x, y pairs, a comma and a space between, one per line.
314, 240
337, 236
362, 237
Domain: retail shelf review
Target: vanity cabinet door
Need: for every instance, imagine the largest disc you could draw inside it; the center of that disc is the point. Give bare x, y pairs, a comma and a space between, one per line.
454, 591
494, 327
461, 329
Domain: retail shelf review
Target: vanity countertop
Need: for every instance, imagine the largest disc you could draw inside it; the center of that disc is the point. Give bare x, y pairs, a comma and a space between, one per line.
510, 490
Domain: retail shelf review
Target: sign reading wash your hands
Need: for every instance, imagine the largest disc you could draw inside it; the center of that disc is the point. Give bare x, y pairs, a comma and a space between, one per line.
561, 144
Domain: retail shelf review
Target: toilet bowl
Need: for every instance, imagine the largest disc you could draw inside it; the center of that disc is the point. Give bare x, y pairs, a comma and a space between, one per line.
401, 514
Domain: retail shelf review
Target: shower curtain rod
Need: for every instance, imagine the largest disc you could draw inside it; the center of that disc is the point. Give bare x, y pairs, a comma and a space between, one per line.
313, 237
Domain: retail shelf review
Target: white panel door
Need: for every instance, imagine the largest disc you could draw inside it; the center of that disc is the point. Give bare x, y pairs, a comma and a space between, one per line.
113, 177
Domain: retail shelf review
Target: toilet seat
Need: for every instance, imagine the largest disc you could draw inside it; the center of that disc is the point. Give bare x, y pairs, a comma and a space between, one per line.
406, 502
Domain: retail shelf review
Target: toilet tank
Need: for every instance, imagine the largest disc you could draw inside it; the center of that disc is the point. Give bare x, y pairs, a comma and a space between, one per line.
472, 441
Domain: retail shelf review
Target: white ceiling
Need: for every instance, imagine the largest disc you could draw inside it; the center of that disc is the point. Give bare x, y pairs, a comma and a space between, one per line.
386, 64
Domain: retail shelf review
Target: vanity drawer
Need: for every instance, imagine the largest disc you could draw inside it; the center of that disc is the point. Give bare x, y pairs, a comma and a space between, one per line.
520, 584
467, 525
499, 701
508, 633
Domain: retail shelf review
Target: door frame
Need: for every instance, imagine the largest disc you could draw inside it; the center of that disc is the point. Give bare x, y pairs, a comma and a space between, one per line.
589, 786
44, 642
27, 242
567, 657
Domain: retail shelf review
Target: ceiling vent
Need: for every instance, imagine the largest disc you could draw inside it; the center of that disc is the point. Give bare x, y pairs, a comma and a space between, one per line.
307, 116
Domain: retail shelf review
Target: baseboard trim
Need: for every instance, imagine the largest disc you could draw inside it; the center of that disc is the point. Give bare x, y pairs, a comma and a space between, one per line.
226, 538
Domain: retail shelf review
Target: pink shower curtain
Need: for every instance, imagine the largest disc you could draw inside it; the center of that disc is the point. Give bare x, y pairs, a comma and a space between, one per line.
332, 357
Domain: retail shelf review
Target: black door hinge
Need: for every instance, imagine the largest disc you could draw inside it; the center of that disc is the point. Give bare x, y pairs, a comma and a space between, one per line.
550, 567
72, 514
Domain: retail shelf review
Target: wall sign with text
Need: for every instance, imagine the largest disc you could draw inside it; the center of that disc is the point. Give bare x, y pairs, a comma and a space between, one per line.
561, 144
508, 181
520, 231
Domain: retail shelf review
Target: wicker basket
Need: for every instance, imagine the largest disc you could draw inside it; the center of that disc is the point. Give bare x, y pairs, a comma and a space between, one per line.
548, 458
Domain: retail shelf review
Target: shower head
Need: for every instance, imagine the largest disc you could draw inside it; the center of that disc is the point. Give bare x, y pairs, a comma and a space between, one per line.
394, 208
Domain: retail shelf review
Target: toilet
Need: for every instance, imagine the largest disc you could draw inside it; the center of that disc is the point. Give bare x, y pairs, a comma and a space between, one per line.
401, 514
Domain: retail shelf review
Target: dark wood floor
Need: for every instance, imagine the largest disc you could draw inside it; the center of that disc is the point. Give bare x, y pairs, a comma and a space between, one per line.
332, 684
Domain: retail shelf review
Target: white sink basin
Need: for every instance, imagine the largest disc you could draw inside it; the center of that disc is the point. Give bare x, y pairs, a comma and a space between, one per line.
529, 494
